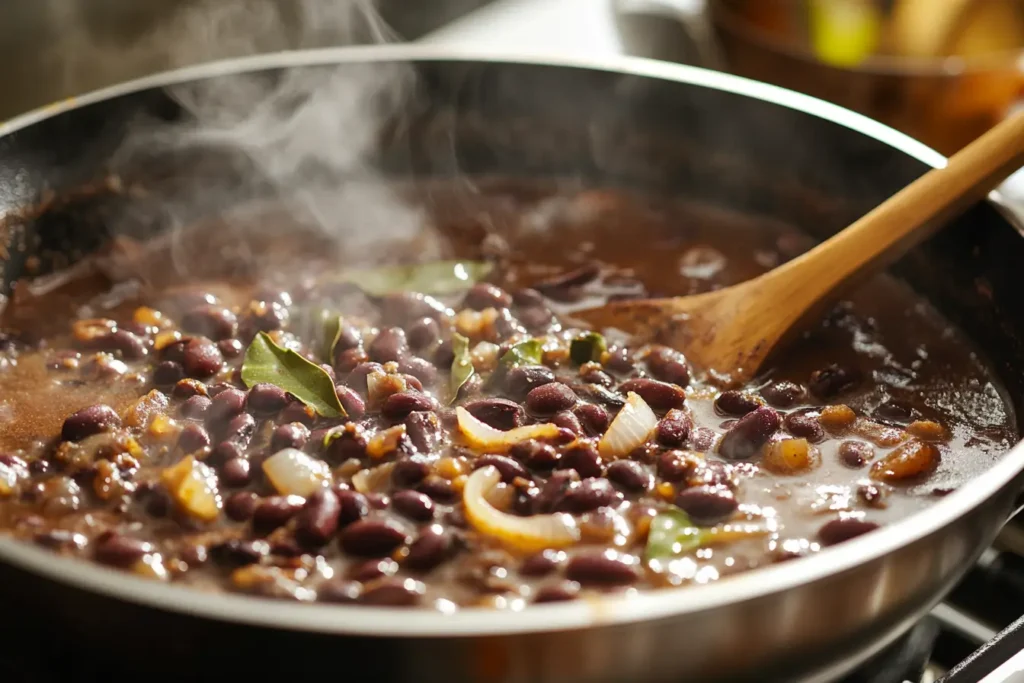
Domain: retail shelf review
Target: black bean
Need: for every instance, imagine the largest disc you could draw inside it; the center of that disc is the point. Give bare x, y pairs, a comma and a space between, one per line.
707, 505
349, 359
586, 495
130, 346
485, 295
373, 569
499, 413
535, 455
676, 465
553, 489
583, 457
669, 365
237, 552
225, 406
236, 473
523, 379
399, 309
413, 504
167, 373
607, 568
372, 538
734, 402
568, 421
591, 373
749, 434
620, 360
214, 322
266, 316
57, 539
317, 522
804, 425
339, 591
438, 488
894, 412
389, 345
832, 381
537, 319
855, 454
782, 393
240, 506
398, 406
119, 550
424, 430
874, 494
550, 398
275, 511
660, 396
89, 421
430, 549
201, 358
348, 338
509, 468
423, 333
593, 418
630, 475
193, 438
291, 435
224, 452
230, 348
393, 593
357, 378
240, 429
674, 429
187, 388
542, 563
353, 403
701, 439
843, 529
266, 399
346, 443
353, 507
563, 591
420, 368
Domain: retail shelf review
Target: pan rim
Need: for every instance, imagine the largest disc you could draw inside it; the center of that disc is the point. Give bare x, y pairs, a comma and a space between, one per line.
471, 622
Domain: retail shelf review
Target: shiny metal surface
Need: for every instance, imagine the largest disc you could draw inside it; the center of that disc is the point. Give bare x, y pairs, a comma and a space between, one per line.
807, 620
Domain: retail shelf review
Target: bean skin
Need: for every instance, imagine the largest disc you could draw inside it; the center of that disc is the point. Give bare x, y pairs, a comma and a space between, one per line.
568, 421
843, 529
214, 322
593, 418
317, 522
507, 467
423, 333
630, 475
542, 563
167, 373
749, 434
399, 309
413, 505
424, 430
429, 550
782, 393
736, 403
420, 368
660, 396
193, 437
607, 568
550, 398
357, 378
582, 457
202, 358
275, 511
238, 553
499, 413
669, 366
240, 506
266, 399
372, 538
674, 429
353, 506
831, 381
117, 550
553, 489
399, 406
291, 435
535, 455
677, 465
707, 505
393, 593
564, 591
855, 454
88, 421
390, 344
521, 380
340, 591
236, 473
485, 295
586, 495
409, 472
224, 406
805, 425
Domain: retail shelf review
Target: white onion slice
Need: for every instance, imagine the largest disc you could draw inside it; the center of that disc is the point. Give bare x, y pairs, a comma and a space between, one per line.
527, 534
629, 429
193, 486
485, 437
294, 473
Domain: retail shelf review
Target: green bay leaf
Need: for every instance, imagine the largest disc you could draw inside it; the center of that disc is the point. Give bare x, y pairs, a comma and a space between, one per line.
672, 534
462, 365
435, 277
529, 352
267, 362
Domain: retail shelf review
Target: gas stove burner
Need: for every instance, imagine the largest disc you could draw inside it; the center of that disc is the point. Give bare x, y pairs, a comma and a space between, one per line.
905, 660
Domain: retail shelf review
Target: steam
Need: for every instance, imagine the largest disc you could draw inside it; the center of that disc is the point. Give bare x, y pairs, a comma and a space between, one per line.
301, 138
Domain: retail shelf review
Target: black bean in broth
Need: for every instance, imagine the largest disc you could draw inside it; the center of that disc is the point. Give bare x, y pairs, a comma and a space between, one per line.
134, 441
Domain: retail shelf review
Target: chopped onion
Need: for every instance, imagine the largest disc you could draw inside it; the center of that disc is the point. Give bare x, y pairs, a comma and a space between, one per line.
527, 534
373, 480
485, 437
385, 442
485, 355
193, 486
380, 385
629, 429
292, 472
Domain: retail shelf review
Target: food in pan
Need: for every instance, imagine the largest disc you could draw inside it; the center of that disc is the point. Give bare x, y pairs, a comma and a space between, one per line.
440, 433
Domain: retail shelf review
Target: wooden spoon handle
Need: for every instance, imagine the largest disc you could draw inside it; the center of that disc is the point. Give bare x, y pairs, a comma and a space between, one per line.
906, 218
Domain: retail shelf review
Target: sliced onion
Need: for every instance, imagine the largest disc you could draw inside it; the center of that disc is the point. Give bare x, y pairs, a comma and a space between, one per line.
293, 473
629, 429
373, 480
193, 486
485, 437
485, 355
527, 534
380, 385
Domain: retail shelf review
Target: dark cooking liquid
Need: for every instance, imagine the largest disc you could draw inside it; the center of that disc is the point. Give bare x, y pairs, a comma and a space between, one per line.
886, 354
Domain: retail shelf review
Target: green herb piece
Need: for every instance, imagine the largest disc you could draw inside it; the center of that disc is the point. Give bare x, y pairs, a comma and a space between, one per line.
462, 366
529, 352
437, 277
672, 534
267, 362
587, 347
332, 331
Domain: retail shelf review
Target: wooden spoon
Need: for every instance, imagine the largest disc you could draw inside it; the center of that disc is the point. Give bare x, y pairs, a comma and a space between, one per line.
730, 332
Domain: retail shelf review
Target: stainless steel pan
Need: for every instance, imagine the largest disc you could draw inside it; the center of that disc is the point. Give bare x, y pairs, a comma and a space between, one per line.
668, 128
